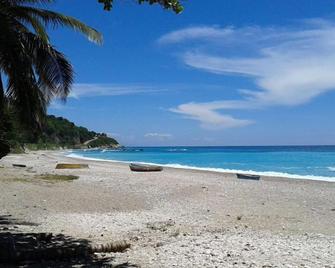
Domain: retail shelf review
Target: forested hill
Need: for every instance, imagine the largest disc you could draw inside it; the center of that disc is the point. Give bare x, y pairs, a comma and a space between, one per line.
59, 132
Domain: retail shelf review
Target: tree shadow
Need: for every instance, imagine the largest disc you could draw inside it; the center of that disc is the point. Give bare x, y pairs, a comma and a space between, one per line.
35, 250
12, 222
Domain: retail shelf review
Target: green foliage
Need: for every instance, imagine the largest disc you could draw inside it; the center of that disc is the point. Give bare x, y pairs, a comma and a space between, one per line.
102, 141
55, 132
174, 5
34, 71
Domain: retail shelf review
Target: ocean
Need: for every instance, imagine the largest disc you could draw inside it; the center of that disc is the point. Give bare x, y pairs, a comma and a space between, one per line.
300, 162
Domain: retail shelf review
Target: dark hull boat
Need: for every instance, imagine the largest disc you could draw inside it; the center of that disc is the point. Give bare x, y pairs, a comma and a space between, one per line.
144, 168
248, 177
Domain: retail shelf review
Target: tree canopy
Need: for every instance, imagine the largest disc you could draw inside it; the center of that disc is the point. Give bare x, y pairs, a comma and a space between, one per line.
174, 5
34, 71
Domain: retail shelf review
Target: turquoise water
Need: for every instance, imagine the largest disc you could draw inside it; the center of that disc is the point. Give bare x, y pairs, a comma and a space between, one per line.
310, 162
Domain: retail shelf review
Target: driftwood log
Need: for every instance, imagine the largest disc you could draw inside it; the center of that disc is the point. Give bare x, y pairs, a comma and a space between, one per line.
45, 246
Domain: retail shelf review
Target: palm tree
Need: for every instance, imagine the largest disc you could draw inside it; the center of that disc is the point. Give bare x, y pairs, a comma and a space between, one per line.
32, 71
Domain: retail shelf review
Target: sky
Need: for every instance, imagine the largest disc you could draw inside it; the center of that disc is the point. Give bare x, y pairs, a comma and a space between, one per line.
224, 72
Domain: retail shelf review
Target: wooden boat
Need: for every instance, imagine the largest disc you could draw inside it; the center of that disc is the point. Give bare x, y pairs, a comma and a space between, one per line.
71, 166
248, 177
144, 168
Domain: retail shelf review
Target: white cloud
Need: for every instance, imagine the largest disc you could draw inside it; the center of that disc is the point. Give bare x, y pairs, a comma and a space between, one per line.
194, 33
160, 136
289, 66
91, 90
208, 117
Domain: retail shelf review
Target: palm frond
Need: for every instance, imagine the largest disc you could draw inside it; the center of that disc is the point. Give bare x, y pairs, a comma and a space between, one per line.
57, 20
53, 69
20, 2
35, 72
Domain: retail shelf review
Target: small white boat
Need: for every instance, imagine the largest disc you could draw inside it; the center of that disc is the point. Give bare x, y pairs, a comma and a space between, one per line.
248, 177
144, 168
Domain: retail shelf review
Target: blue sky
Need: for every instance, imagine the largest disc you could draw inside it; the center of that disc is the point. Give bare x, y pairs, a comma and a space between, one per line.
227, 72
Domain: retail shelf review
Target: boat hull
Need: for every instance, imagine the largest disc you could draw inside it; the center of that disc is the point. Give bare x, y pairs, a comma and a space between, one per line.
145, 168
248, 177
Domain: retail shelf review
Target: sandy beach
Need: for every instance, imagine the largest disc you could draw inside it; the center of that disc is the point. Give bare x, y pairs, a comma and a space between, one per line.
174, 218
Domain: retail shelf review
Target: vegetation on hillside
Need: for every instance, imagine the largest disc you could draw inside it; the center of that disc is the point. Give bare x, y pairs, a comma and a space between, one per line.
56, 132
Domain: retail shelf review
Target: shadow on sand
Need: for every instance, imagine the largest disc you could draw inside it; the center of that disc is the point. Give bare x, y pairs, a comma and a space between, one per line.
19, 249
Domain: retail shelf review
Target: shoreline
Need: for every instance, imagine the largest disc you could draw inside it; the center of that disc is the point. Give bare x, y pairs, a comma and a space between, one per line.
266, 174
181, 217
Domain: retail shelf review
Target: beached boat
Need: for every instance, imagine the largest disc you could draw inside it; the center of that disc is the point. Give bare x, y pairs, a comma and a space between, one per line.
71, 166
248, 177
144, 168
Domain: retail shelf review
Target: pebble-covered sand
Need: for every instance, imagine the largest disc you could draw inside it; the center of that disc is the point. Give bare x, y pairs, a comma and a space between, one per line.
174, 218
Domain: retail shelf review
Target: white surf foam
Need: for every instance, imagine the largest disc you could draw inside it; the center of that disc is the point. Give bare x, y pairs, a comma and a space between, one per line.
220, 170
177, 150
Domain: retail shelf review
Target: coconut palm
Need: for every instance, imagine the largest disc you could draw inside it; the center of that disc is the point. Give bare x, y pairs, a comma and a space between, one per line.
32, 71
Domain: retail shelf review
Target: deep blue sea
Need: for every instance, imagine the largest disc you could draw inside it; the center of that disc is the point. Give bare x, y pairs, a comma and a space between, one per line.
309, 162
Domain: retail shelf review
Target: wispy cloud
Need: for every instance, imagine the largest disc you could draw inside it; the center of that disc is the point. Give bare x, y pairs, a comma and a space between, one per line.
159, 136
91, 90
194, 33
208, 117
289, 66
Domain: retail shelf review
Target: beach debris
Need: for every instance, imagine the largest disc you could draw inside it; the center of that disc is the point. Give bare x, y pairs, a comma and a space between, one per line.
161, 225
19, 165
36, 247
118, 246
71, 166
239, 217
